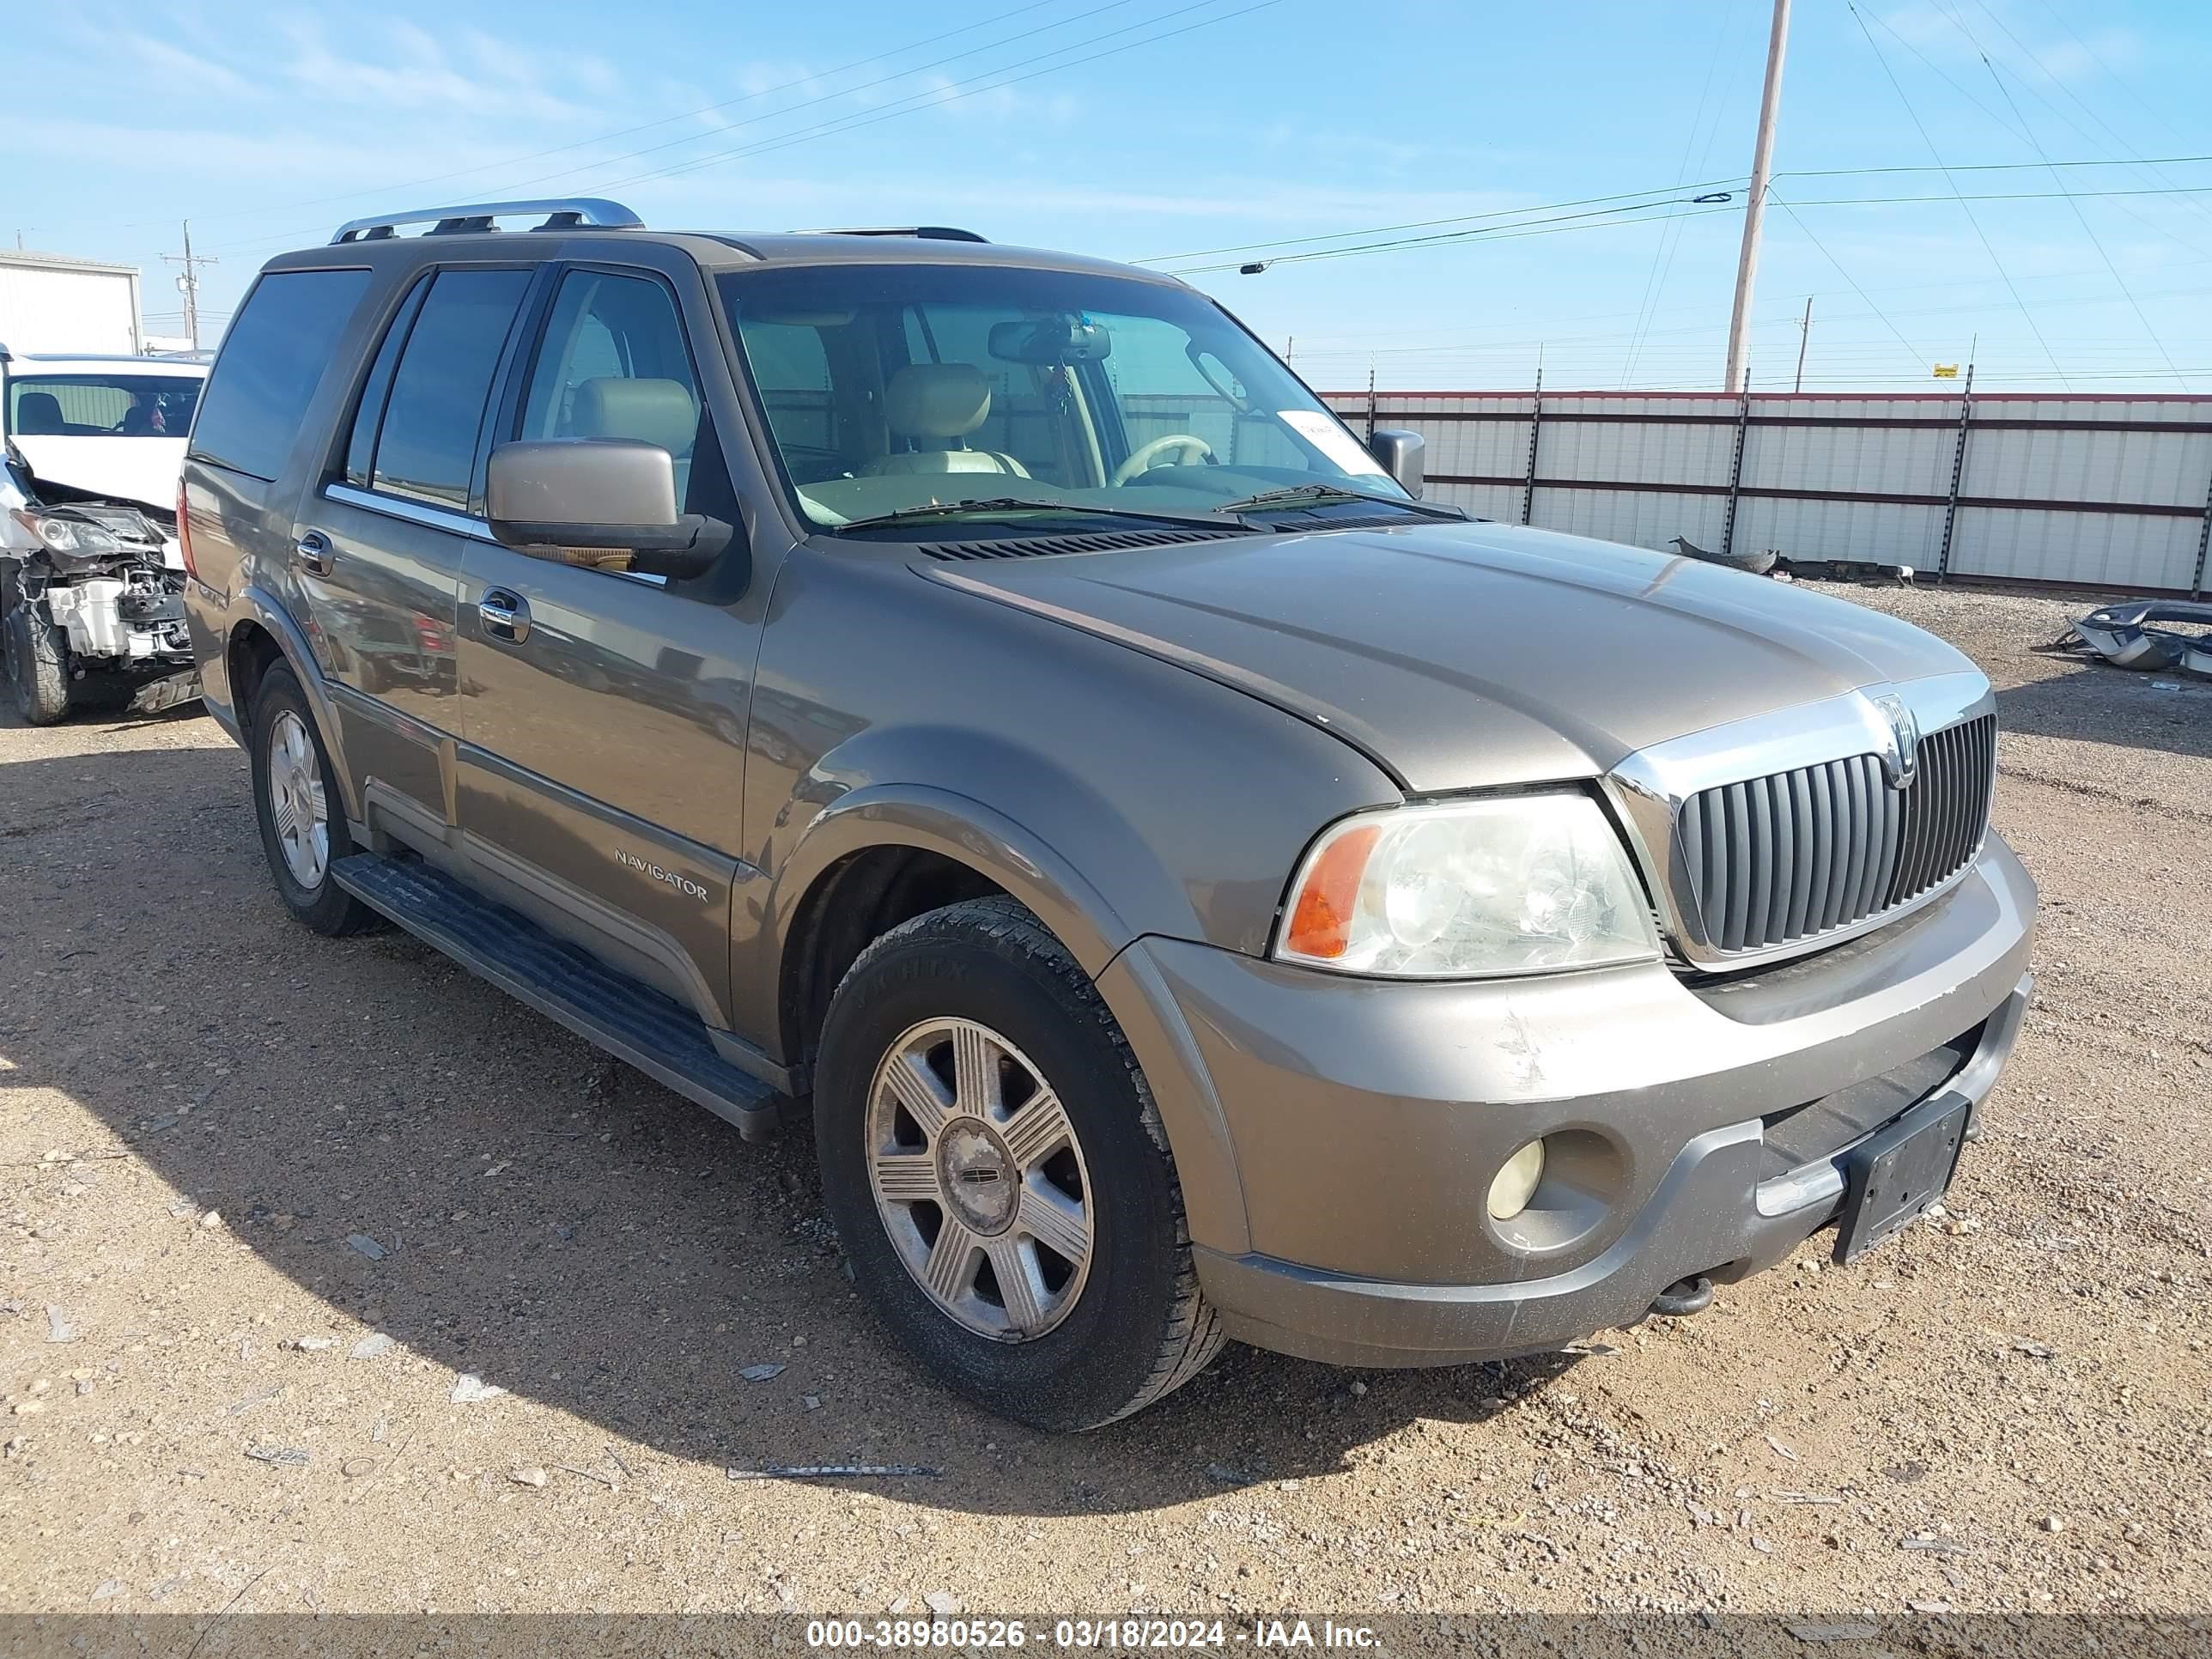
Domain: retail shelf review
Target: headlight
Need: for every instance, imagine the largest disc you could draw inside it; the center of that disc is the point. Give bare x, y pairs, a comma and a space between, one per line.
73, 537
1508, 884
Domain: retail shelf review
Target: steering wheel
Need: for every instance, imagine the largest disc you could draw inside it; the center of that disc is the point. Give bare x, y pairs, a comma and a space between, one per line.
1142, 459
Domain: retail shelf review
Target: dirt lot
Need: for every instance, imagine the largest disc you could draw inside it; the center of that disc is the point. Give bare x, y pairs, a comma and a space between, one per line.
334, 1280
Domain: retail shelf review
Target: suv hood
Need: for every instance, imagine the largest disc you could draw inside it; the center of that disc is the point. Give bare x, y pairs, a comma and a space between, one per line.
1461, 656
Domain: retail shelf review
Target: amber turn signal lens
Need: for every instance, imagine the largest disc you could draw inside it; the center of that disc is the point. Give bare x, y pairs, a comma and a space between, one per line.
1320, 917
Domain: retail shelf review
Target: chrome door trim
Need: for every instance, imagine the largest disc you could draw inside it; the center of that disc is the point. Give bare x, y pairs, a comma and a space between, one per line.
1648, 789
393, 507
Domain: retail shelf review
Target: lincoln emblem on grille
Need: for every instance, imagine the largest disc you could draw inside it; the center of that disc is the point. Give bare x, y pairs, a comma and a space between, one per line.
1900, 755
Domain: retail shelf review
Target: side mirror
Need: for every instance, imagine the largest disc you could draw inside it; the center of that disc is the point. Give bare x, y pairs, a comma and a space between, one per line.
1399, 452
604, 501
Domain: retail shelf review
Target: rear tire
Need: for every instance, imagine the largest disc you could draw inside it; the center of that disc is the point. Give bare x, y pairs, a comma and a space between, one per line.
301, 813
1083, 1217
37, 659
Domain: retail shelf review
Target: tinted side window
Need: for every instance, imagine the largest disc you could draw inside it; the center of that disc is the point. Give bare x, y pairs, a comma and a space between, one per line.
613, 364
272, 362
368, 411
427, 446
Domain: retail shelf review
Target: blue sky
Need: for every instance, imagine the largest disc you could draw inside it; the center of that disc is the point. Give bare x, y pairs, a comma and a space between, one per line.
1158, 130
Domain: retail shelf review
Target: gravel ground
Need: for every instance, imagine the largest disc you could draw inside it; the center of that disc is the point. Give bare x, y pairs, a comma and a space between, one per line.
331, 1280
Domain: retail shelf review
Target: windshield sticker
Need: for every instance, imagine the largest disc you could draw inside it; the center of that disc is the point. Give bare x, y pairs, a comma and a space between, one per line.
1332, 440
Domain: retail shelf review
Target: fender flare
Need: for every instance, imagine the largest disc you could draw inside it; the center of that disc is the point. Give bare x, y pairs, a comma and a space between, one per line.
959, 828
1078, 915
292, 644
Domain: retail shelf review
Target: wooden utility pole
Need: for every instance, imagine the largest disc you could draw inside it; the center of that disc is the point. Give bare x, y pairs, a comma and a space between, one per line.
188, 283
1754, 212
1804, 339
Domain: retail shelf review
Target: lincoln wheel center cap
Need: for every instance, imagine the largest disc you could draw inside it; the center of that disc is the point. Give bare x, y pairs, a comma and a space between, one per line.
978, 1174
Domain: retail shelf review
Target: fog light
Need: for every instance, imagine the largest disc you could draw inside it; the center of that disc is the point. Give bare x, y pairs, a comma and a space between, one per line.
1516, 1181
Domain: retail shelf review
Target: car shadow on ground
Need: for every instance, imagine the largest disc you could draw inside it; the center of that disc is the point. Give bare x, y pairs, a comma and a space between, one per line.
2094, 703
543, 1217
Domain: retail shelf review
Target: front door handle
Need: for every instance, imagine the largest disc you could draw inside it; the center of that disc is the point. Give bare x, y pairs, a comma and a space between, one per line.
312, 552
505, 615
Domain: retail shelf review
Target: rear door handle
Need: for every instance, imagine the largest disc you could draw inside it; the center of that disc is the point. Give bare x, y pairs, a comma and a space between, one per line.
505, 615
312, 552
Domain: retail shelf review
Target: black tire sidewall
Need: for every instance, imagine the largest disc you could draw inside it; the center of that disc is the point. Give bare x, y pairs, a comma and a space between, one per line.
326, 906
1088, 1368
40, 685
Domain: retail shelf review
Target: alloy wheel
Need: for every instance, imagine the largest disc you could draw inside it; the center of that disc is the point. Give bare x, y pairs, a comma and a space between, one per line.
980, 1179
296, 800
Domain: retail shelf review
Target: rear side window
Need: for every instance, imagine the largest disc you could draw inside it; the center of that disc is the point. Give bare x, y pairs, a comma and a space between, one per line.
361, 444
426, 447
271, 363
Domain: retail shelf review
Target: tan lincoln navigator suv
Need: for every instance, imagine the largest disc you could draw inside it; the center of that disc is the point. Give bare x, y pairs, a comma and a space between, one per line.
979, 701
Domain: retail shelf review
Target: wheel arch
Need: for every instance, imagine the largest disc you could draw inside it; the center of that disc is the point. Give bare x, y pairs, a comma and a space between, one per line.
871, 855
902, 840
255, 643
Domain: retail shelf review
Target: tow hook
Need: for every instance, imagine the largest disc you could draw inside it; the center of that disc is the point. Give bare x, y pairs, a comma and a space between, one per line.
1684, 1296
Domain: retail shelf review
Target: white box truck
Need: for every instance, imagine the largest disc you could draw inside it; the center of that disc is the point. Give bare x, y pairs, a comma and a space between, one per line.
51, 302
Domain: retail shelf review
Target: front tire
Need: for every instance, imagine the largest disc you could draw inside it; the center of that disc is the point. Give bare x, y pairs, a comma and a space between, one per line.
998, 1175
36, 656
296, 798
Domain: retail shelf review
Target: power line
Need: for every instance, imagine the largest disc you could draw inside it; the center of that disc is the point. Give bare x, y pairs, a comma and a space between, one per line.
1563, 222
1652, 209
938, 96
931, 99
1987, 246
2118, 281
1426, 224
1670, 232
687, 115
864, 86
789, 109
1782, 202
1937, 70
1735, 182
2030, 55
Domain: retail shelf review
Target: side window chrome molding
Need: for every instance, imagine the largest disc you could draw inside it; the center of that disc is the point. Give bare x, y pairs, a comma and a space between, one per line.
439, 518
397, 506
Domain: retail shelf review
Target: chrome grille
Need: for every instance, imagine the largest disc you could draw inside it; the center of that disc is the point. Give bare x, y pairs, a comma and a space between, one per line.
1792, 855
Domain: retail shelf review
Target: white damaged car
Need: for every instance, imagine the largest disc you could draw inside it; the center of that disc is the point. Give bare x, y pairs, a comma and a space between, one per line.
92, 581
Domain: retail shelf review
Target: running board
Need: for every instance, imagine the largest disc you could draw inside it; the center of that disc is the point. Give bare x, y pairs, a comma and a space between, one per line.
563, 981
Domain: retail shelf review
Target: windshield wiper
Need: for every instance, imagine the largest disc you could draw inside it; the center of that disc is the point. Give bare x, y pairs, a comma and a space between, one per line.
1001, 505
1327, 495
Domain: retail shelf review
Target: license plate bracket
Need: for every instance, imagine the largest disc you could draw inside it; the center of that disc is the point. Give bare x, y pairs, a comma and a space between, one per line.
1899, 1172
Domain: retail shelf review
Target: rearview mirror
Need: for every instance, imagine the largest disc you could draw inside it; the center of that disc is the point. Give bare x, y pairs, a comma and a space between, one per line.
1050, 340
1399, 452
608, 502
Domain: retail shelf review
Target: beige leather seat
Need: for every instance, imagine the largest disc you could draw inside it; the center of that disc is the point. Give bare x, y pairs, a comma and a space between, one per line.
651, 411
934, 406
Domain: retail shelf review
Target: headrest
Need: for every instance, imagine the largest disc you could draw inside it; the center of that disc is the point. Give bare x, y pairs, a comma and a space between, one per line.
39, 412
652, 411
936, 400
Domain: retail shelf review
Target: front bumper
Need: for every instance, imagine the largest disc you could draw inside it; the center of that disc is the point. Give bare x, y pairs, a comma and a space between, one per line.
1366, 1120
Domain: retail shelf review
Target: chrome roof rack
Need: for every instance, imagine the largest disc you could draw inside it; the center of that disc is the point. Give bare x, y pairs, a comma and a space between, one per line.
928, 233
562, 213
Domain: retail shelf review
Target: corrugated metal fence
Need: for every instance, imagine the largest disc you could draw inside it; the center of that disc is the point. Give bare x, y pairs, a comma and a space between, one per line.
2111, 492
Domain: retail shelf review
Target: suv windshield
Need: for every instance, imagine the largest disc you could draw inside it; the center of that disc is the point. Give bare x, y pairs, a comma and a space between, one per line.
101, 406
892, 386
